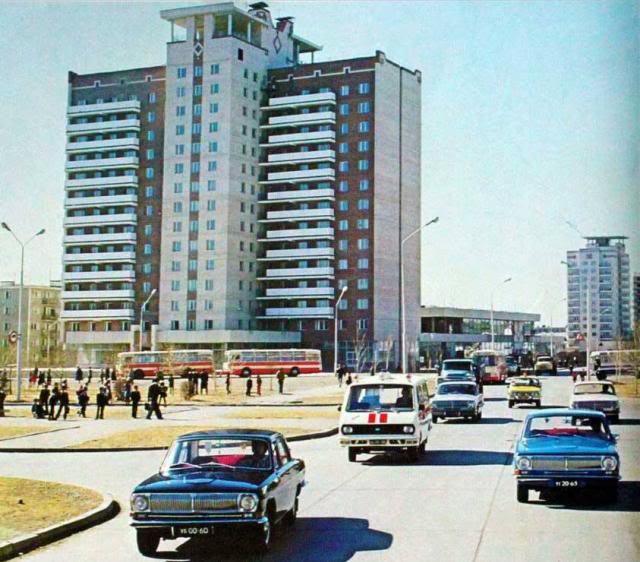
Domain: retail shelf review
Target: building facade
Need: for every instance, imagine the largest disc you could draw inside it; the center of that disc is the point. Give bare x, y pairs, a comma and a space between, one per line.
636, 299
40, 322
599, 292
248, 186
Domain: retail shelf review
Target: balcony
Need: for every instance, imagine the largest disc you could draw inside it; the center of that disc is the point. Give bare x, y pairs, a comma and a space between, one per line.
97, 295
104, 108
102, 164
293, 139
299, 273
298, 312
94, 257
298, 176
129, 237
301, 119
105, 201
299, 293
298, 253
299, 234
310, 156
298, 215
126, 143
106, 182
80, 338
124, 218
299, 195
109, 314
104, 126
304, 100
123, 275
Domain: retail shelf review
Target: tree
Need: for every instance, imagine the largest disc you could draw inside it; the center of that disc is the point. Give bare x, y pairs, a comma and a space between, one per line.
361, 349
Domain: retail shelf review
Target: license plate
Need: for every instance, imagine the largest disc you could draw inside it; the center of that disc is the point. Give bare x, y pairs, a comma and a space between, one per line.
567, 483
193, 531
378, 441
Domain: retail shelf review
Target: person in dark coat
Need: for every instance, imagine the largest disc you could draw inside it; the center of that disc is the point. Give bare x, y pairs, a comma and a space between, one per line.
89, 376
227, 383
171, 383
83, 400
163, 394
107, 373
79, 374
49, 377
101, 402
259, 385
114, 377
135, 400
249, 386
44, 398
280, 377
41, 379
53, 400
63, 403
37, 411
153, 397
204, 383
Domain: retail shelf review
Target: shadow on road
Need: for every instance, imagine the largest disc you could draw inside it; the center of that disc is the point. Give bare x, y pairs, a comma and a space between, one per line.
592, 500
445, 457
483, 421
627, 421
495, 399
314, 539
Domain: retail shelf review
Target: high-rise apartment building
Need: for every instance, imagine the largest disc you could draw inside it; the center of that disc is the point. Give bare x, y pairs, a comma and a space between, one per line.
274, 183
636, 299
598, 290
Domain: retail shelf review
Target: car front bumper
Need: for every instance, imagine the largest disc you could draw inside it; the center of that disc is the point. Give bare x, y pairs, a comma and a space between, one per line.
567, 481
453, 412
380, 442
169, 527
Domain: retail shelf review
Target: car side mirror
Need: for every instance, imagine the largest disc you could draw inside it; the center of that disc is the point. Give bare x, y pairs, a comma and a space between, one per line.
339, 408
615, 436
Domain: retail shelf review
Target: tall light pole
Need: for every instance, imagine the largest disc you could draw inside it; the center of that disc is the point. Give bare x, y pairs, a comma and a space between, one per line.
19, 350
144, 305
493, 336
402, 306
335, 330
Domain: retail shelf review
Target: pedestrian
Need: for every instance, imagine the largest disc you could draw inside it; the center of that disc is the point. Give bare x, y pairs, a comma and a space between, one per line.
41, 379
163, 394
83, 401
171, 383
204, 383
227, 383
249, 386
33, 377
372, 371
37, 411
340, 374
280, 377
106, 374
63, 403
78, 374
107, 390
127, 392
101, 376
101, 402
114, 377
44, 398
89, 376
349, 379
135, 400
53, 400
49, 377
153, 400
259, 385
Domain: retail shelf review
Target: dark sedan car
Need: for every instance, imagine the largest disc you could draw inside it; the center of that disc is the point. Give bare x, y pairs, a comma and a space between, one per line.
211, 482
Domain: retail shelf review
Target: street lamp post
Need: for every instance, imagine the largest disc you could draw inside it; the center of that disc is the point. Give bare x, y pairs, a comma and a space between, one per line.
402, 303
493, 337
144, 305
335, 330
20, 290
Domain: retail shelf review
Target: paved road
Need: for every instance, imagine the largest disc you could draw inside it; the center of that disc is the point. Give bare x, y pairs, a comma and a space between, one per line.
458, 504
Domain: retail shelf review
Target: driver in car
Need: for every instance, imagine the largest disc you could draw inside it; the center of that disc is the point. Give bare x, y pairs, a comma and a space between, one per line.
259, 458
404, 400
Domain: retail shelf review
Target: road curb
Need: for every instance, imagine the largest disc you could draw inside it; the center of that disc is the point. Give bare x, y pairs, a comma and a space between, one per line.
301, 437
108, 509
189, 405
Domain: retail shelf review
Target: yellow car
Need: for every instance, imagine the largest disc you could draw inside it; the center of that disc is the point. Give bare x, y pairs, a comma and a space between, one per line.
524, 390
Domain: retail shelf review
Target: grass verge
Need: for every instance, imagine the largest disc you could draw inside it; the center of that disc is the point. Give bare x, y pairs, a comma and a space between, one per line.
31, 505
11, 431
275, 413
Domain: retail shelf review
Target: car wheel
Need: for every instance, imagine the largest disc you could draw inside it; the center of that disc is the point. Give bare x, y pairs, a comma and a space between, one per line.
523, 494
422, 448
511, 403
292, 515
615, 419
434, 419
294, 372
148, 542
246, 372
538, 403
478, 416
353, 455
413, 453
263, 536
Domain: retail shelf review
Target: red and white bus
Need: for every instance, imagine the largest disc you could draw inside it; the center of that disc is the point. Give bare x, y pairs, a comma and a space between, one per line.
292, 362
177, 362
492, 364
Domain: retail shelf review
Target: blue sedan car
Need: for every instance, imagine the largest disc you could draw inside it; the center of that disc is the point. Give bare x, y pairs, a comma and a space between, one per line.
566, 449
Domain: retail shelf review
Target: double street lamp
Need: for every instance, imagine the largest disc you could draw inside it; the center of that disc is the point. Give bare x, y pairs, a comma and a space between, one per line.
493, 333
402, 304
335, 330
5, 226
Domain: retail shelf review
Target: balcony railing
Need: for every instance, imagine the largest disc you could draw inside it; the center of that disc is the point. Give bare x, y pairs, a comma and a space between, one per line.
103, 182
115, 313
104, 108
91, 257
299, 195
102, 164
299, 293
105, 238
105, 201
101, 126
299, 272
298, 215
299, 312
303, 100
282, 158
292, 139
122, 275
298, 176
126, 143
298, 253
299, 234
99, 295
123, 218
301, 119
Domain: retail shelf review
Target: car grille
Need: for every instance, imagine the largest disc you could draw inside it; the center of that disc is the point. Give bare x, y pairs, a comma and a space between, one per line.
524, 395
450, 405
378, 429
595, 405
193, 503
566, 463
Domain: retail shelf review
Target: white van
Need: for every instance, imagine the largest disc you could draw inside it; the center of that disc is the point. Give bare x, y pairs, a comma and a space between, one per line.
386, 413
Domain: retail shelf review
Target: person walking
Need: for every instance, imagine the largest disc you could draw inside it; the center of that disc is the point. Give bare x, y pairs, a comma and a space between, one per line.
48, 377
83, 401
135, 400
227, 383
89, 376
249, 386
163, 394
44, 398
127, 392
204, 383
259, 385
171, 383
107, 373
78, 374
53, 400
153, 398
101, 402
340, 374
41, 379
349, 379
63, 403
280, 377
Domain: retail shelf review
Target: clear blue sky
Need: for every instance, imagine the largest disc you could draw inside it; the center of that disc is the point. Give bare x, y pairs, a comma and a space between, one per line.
531, 117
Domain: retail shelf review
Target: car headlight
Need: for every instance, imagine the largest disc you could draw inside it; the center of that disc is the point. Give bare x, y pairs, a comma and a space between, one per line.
408, 429
139, 503
247, 502
523, 463
609, 463
347, 429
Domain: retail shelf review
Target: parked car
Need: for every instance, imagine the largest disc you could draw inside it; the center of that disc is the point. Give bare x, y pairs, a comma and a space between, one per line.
566, 449
210, 482
457, 400
458, 370
544, 365
513, 368
524, 390
600, 396
386, 413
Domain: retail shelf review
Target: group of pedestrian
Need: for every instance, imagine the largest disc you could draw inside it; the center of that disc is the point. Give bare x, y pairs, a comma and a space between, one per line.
341, 373
280, 377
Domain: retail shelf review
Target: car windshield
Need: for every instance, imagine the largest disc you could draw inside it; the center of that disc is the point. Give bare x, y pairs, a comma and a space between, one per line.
525, 382
220, 453
380, 397
567, 426
594, 388
457, 389
544, 358
456, 366
486, 360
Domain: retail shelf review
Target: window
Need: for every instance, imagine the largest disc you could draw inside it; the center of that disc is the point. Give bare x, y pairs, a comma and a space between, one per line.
175, 324
363, 88
212, 166
211, 245
176, 246
175, 266
363, 204
363, 283
343, 147
192, 265
179, 149
343, 166
191, 305
343, 186
177, 188
179, 130
148, 191
343, 264
215, 69
211, 205
213, 146
363, 243
343, 245
181, 91
362, 304
363, 165
344, 128
197, 70
344, 109
194, 206
343, 205
344, 90
213, 127
177, 206
363, 127
175, 307
151, 116
177, 226
363, 224
363, 263
214, 107
211, 224
240, 54
146, 249
146, 268
181, 110
193, 226
149, 173
215, 88
363, 185
321, 325
152, 97
195, 148
175, 285
211, 185
343, 225
363, 324
182, 72
151, 135
363, 146
344, 304
363, 107
148, 210
148, 230
197, 109
195, 167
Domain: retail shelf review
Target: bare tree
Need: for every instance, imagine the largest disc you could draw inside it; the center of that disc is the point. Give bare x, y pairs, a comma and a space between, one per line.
361, 349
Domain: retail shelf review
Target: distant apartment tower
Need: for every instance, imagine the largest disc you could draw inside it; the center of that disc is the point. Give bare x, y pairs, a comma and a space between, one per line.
598, 289
636, 299
113, 195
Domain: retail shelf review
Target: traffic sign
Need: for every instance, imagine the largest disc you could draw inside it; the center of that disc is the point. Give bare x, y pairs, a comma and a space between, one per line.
13, 337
